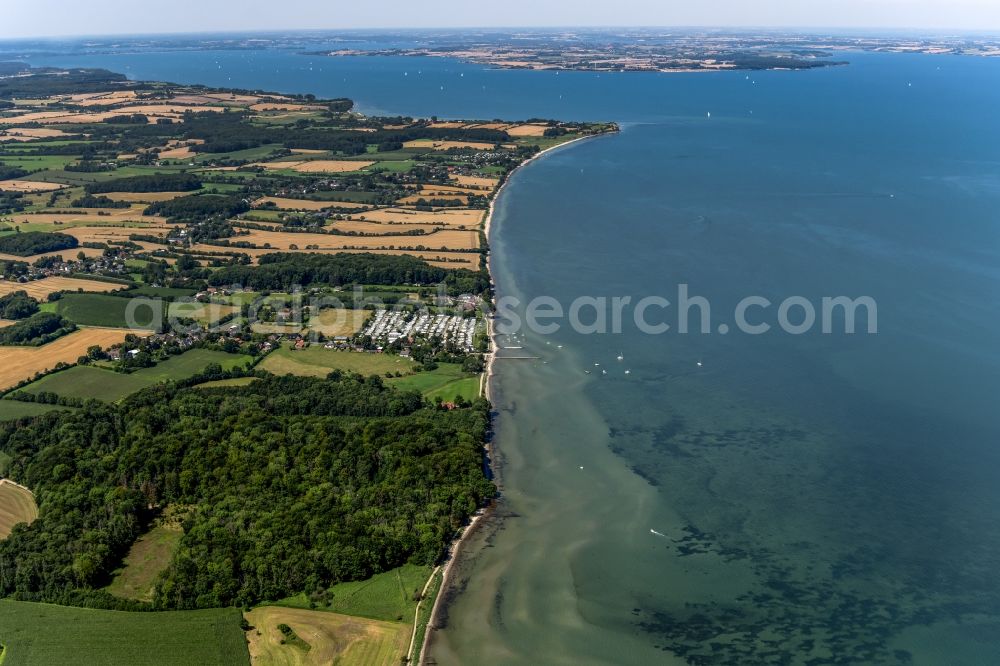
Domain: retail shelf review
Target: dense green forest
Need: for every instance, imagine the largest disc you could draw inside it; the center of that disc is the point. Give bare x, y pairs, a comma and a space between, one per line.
92, 201
36, 242
38, 329
199, 208
282, 271
51, 81
227, 132
292, 483
10, 172
161, 182
17, 305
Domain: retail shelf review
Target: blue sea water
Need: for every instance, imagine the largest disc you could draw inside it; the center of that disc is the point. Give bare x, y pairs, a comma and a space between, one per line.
735, 498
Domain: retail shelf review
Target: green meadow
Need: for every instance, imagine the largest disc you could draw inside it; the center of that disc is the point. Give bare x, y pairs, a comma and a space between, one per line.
87, 381
45, 635
386, 596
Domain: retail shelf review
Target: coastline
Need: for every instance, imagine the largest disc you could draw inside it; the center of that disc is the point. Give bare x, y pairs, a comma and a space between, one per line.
455, 548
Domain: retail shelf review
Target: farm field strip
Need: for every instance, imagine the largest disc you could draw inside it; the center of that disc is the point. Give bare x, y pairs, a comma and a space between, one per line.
22, 363
40, 289
332, 638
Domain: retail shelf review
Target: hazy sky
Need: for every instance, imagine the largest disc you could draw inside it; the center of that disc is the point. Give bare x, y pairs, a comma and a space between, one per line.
33, 18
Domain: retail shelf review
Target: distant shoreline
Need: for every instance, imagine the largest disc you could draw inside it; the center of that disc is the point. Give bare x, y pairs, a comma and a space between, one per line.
485, 384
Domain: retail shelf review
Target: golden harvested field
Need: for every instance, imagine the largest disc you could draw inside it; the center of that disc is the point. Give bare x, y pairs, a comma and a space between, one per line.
377, 227
103, 98
333, 639
450, 217
23, 362
36, 132
5, 322
452, 239
527, 130
318, 166
89, 216
87, 252
211, 98
415, 198
40, 289
306, 204
451, 124
152, 111
431, 188
490, 126
332, 322
478, 182
17, 505
145, 197
446, 145
181, 153
108, 234
28, 186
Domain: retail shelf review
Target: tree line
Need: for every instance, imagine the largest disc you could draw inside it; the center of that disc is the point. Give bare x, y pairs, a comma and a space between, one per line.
281, 271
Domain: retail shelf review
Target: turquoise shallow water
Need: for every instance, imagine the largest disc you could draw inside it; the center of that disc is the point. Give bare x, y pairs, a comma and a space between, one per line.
815, 497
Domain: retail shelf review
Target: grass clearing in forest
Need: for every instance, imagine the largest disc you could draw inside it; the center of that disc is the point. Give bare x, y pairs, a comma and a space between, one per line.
148, 556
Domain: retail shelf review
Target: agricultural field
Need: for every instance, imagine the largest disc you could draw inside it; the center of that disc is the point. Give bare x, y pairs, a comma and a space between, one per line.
456, 240
282, 203
16, 185
40, 289
441, 259
317, 166
389, 596
333, 322
315, 361
207, 314
145, 197
108, 311
322, 638
17, 505
11, 410
90, 252
21, 363
448, 145
86, 382
228, 178
223, 383
40, 634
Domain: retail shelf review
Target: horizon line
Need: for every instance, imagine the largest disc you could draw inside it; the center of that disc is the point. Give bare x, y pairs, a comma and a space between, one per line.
831, 30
